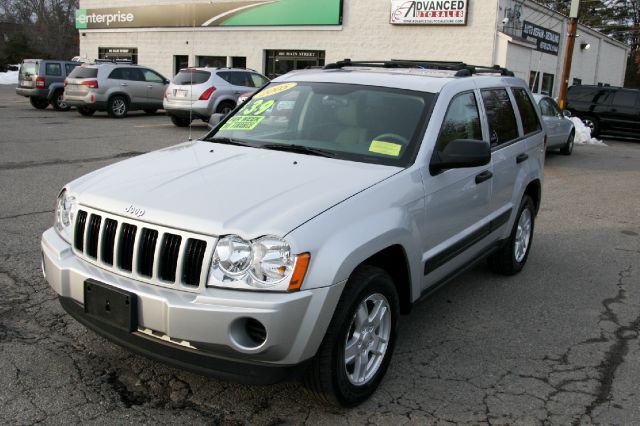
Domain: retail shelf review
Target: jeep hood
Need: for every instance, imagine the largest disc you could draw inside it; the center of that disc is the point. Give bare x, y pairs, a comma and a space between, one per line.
218, 189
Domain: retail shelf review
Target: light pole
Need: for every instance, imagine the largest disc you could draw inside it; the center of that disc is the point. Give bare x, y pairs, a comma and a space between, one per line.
568, 52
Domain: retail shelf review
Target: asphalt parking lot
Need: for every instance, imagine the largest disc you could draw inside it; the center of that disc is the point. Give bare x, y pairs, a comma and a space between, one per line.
556, 344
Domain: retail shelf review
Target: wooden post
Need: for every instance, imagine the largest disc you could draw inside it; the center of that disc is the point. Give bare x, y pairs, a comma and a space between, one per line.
568, 53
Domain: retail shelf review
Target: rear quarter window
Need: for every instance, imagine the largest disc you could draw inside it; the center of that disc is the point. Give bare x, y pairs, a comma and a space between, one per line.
528, 114
188, 77
83, 72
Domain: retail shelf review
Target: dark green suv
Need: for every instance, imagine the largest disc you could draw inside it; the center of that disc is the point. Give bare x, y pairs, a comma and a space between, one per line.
42, 81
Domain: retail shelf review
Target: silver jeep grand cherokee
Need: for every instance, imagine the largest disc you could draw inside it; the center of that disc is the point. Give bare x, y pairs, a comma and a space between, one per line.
289, 240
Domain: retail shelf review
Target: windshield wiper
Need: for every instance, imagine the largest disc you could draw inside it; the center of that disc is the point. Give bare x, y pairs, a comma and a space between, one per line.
229, 141
300, 149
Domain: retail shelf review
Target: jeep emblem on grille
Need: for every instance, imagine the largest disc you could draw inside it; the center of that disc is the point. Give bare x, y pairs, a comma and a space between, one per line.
134, 211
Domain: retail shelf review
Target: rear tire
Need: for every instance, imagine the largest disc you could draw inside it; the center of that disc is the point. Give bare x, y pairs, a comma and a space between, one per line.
180, 121
38, 103
118, 106
593, 124
511, 257
225, 107
567, 149
356, 329
87, 112
57, 101
150, 110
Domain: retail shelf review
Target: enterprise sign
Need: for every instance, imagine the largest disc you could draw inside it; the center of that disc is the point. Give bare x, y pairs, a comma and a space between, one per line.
546, 41
432, 12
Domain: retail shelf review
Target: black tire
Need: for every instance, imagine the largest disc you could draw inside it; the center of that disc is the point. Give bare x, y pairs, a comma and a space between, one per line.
505, 261
57, 102
180, 121
592, 123
87, 112
118, 106
150, 110
567, 149
38, 103
225, 107
327, 377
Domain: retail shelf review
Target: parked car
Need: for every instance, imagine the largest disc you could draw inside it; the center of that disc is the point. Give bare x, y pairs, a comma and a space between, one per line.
42, 81
560, 129
605, 109
114, 87
196, 93
291, 237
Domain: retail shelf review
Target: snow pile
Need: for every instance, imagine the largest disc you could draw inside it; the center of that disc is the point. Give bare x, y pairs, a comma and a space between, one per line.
9, 77
583, 134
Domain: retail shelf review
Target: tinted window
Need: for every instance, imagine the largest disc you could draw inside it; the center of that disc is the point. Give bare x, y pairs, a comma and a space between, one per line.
625, 98
70, 67
187, 77
53, 69
258, 80
546, 108
236, 78
528, 114
603, 97
131, 74
83, 72
461, 122
581, 94
152, 77
502, 120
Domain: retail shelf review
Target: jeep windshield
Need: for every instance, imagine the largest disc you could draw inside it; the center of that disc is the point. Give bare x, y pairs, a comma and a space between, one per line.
345, 121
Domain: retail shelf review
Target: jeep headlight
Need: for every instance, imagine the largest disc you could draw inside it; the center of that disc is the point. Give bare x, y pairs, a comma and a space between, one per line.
65, 212
265, 263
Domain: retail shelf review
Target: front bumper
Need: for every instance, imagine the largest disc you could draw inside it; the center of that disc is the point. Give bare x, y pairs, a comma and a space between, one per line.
208, 321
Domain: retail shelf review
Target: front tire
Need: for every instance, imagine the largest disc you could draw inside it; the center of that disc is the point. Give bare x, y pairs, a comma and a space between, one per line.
357, 348
38, 103
567, 149
58, 102
511, 257
118, 107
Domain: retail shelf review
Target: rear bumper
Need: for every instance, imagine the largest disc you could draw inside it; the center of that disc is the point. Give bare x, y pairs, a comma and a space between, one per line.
182, 109
32, 92
85, 101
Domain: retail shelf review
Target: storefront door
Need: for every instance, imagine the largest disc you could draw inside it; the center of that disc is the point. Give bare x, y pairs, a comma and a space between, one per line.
279, 62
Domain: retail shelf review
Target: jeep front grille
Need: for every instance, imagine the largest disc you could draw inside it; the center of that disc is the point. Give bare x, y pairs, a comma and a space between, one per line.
142, 251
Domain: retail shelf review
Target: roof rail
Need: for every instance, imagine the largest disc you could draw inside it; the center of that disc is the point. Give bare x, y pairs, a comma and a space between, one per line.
462, 69
113, 61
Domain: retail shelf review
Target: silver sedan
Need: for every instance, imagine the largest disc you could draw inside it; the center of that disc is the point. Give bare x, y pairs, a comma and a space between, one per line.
560, 129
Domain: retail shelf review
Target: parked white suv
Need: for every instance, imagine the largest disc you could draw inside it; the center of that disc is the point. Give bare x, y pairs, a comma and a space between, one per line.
289, 240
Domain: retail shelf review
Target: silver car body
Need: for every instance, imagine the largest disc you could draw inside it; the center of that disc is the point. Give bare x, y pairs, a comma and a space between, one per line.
342, 212
559, 127
143, 87
183, 96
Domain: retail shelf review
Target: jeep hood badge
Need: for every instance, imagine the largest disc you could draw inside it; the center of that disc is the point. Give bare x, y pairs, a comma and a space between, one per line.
134, 211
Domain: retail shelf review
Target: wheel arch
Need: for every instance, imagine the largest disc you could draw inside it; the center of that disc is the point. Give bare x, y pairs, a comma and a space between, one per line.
534, 190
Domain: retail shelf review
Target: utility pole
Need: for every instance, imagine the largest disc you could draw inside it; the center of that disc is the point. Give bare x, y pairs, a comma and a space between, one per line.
568, 52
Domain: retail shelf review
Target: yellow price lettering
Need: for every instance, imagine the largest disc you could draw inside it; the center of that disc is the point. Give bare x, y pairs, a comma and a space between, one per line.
258, 107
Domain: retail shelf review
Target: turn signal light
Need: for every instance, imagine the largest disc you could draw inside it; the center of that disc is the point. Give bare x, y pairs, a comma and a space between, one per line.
93, 84
299, 272
40, 82
207, 94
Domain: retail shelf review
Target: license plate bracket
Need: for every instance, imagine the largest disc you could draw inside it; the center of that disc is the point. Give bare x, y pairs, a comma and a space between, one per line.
110, 305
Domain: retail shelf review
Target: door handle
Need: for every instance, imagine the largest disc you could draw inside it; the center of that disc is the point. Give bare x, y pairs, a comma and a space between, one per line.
150, 86
522, 157
613, 110
486, 175
123, 84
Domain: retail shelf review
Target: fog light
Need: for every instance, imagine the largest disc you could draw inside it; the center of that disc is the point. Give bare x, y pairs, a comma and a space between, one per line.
248, 333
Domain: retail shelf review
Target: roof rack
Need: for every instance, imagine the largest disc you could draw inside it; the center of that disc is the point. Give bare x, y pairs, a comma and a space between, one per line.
462, 69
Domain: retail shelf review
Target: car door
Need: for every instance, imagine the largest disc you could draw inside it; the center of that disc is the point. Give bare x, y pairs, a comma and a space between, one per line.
457, 200
156, 85
53, 73
551, 122
624, 112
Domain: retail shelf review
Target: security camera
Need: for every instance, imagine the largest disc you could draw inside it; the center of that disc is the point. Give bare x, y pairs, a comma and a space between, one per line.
505, 21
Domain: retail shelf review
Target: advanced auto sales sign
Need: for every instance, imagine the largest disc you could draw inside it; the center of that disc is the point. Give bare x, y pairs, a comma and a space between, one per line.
435, 12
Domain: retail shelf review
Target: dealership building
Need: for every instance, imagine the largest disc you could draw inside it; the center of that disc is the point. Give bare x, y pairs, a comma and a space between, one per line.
276, 36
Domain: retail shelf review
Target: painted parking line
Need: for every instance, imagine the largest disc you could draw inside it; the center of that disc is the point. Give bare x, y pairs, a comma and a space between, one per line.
145, 126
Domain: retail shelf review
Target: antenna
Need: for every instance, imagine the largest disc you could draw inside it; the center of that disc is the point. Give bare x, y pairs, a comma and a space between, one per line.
193, 42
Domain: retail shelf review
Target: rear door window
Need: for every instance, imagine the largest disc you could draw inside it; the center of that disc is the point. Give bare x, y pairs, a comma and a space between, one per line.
500, 115
546, 108
188, 77
53, 68
528, 114
462, 121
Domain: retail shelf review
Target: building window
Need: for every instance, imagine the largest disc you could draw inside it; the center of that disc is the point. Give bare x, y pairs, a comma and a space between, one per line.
129, 54
180, 62
534, 81
212, 61
547, 84
238, 61
577, 81
279, 62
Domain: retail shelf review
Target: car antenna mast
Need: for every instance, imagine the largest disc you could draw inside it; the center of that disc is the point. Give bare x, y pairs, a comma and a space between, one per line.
193, 42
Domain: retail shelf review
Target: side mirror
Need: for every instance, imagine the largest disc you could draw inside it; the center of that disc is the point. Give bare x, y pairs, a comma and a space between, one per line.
167, 81
215, 119
566, 113
461, 153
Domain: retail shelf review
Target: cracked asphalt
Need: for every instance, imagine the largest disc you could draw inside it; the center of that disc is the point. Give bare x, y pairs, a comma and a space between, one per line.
556, 344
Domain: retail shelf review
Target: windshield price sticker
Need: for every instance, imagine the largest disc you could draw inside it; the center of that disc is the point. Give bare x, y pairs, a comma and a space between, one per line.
386, 148
270, 91
243, 122
258, 107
